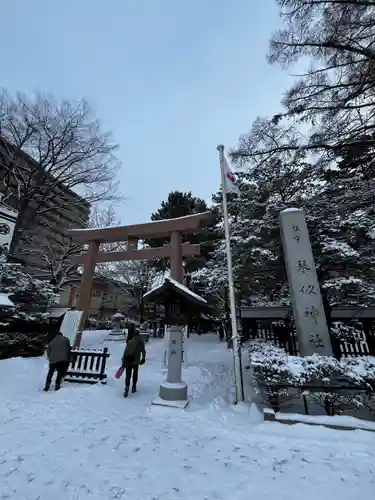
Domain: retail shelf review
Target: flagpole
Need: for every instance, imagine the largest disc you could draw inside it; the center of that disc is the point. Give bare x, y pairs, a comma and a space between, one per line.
238, 379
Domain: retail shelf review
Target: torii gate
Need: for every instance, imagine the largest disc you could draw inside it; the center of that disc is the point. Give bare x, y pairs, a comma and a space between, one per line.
175, 250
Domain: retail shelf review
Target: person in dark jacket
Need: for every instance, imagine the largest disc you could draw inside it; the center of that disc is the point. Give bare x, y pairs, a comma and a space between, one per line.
58, 353
134, 355
221, 332
131, 331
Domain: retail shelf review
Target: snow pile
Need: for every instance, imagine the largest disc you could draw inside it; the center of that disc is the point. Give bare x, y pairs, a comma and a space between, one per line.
89, 443
339, 420
5, 301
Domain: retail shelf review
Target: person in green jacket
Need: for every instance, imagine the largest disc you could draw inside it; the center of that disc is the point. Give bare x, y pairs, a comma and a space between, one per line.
134, 355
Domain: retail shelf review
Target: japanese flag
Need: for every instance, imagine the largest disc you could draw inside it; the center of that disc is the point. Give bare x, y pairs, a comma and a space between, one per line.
230, 185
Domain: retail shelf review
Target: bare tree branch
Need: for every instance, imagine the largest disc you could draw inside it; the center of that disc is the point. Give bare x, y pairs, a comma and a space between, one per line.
330, 108
48, 147
59, 267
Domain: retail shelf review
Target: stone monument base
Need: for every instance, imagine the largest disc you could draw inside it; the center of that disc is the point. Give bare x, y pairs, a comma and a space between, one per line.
170, 404
172, 394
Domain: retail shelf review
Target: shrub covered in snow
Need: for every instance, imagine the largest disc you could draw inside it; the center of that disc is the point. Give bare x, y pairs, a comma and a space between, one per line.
272, 366
25, 344
25, 328
30, 296
277, 372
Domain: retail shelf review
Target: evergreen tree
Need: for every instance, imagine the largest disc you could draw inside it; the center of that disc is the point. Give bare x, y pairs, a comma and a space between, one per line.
341, 227
24, 328
29, 295
328, 120
179, 204
266, 189
342, 230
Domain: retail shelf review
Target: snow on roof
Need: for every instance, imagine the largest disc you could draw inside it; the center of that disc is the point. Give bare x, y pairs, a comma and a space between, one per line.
118, 316
57, 312
291, 210
175, 283
5, 301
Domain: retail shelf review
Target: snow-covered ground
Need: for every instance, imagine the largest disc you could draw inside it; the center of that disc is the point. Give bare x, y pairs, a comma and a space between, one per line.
88, 442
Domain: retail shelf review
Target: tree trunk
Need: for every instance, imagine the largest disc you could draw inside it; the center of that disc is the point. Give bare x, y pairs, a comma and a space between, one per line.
141, 308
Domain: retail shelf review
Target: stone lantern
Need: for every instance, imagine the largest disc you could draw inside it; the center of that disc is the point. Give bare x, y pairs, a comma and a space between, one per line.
179, 303
117, 333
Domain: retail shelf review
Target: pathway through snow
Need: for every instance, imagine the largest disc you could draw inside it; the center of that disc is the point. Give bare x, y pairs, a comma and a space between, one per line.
89, 443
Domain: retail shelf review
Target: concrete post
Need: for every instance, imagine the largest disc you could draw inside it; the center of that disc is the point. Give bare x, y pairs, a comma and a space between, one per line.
311, 325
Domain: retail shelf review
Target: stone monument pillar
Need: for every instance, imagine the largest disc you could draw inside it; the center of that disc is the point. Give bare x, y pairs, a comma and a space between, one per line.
311, 325
173, 389
178, 301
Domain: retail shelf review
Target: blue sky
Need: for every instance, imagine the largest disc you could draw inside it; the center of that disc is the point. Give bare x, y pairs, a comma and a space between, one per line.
171, 78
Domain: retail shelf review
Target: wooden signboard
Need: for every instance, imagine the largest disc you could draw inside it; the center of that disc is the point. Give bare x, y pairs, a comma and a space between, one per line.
70, 324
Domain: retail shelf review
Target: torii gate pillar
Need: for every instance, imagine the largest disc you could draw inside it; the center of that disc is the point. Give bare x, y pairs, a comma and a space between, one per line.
177, 270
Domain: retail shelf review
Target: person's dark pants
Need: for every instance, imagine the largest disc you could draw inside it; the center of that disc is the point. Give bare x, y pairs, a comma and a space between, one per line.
131, 371
61, 368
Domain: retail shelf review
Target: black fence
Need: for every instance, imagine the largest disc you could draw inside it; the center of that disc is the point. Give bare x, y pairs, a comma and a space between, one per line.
362, 343
88, 366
